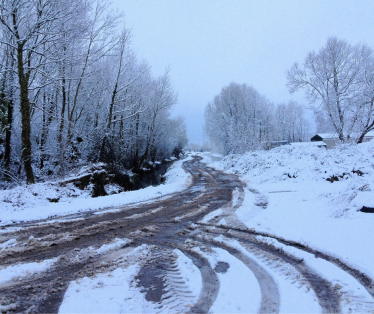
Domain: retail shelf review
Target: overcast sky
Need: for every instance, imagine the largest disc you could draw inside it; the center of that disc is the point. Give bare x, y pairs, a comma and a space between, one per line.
209, 43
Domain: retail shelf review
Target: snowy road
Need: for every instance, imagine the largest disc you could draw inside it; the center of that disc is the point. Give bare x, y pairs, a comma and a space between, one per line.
184, 253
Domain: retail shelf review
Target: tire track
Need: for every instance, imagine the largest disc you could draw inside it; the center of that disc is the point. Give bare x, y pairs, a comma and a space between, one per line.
328, 299
362, 278
270, 300
164, 225
210, 283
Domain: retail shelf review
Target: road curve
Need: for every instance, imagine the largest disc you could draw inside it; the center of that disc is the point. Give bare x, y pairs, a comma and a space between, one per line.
163, 225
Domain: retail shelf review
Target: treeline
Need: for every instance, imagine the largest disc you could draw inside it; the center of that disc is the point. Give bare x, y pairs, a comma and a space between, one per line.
338, 81
239, 119
72, 91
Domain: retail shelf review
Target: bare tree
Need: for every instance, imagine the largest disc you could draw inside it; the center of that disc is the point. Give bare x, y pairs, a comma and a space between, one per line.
333, 82
365, 118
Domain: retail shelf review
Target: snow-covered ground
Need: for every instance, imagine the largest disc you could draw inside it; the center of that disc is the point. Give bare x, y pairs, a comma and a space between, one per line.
287, 195
109, 292
239, 291
116, 291
285, 278
25, 203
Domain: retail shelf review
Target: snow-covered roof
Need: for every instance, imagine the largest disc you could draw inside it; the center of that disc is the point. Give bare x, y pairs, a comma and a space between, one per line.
308, 144
328, 135
334, 136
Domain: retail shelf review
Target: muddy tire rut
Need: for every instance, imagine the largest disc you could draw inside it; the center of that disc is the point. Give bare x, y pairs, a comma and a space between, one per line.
164, 225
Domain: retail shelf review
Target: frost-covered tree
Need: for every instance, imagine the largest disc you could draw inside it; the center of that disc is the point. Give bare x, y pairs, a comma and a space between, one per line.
6, 108
31, 32
365, 119
68, 68
290, 124
239, 119
337, 81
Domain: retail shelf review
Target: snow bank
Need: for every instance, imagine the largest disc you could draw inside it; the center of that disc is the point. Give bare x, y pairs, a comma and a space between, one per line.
26, 203
288, 195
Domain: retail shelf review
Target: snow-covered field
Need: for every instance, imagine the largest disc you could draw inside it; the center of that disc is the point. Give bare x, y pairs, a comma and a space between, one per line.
287, 195
25, 203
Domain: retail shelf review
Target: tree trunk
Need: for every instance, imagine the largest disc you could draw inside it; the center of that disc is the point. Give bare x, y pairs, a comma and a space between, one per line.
136, 155
25, 109
9, 121
8, 133
60, 138
47, 120
361, 138
44, 132
111, 106
369, 125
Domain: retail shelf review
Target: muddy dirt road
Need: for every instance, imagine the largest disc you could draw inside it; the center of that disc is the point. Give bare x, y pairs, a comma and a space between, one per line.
164, 225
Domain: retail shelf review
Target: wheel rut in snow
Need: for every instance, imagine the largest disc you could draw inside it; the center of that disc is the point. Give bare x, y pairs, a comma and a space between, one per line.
164, 225
47, 240
210, 283
270, 300
161, 279
239, 233
328, 299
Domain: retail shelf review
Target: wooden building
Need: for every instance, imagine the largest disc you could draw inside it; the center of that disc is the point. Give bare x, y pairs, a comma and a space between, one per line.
332, 139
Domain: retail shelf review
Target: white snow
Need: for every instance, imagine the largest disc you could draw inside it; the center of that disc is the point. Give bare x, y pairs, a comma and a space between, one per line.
287, 195
211, 215
239, 291
118, 243
307, 144
303, 206
117, 292
26, 203
190, 273
22, 270
111, 292
295, 296
354, 297
8, 244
